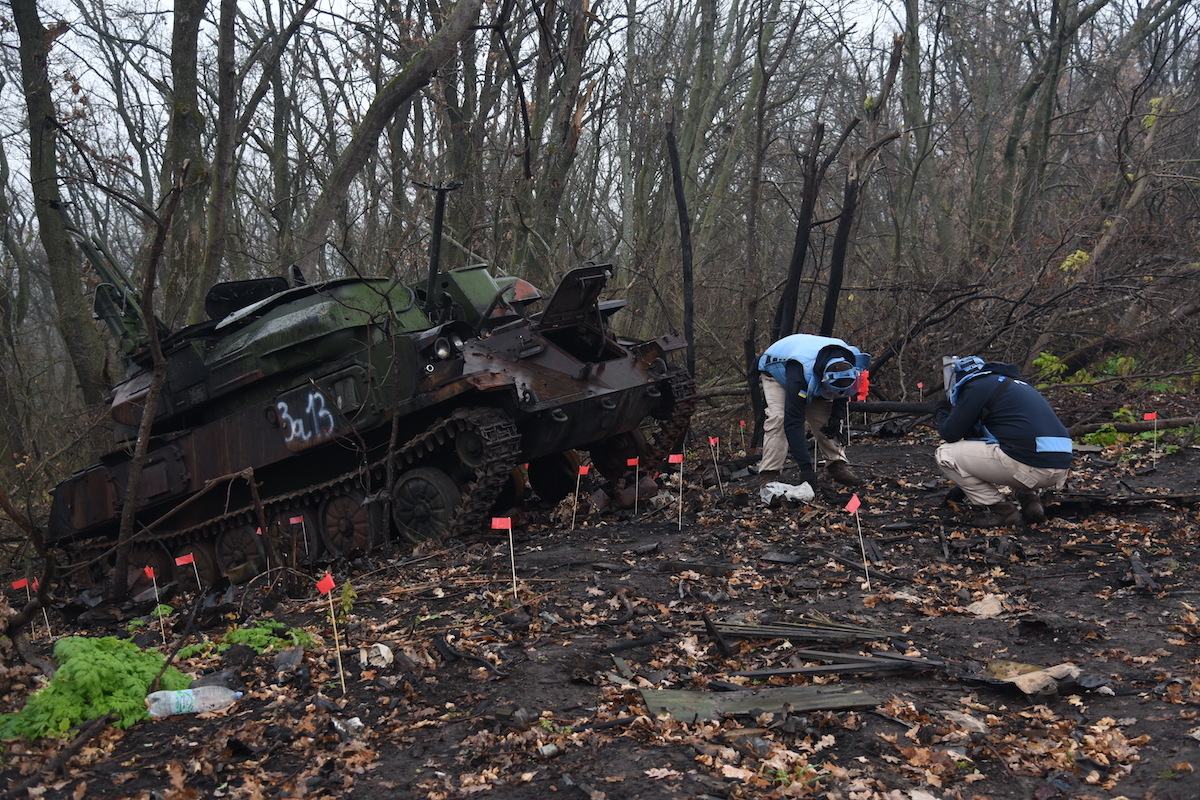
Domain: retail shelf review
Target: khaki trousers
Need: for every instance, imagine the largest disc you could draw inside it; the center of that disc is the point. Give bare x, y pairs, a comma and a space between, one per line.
980, 467
775, 444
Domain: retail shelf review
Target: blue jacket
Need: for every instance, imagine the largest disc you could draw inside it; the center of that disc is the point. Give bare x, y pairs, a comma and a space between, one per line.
995, 405
812, 353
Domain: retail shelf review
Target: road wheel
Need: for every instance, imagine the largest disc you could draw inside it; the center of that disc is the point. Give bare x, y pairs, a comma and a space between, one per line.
423, 503
345, 524
240, 553
204, 556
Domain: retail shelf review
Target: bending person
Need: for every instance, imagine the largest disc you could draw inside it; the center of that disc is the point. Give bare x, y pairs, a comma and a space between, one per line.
811, 378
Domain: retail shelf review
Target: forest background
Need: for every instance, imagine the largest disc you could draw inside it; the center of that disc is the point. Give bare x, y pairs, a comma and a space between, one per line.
1018, 180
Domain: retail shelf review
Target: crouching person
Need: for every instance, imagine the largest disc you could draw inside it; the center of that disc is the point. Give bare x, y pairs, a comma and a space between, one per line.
1000, 431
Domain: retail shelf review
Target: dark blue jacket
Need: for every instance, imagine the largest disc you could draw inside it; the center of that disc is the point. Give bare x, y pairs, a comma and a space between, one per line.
995, 405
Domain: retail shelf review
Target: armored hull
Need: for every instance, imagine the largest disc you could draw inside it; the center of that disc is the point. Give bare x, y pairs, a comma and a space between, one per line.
326, 417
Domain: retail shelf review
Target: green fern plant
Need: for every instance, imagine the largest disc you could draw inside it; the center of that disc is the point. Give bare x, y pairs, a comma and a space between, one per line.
268, 633
95, 677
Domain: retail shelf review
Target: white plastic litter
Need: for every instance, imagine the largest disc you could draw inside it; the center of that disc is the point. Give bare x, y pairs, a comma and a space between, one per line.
797, 494
190, 701
376, 655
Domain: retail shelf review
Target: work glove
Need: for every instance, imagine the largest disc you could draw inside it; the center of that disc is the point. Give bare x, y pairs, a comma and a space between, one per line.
835, 429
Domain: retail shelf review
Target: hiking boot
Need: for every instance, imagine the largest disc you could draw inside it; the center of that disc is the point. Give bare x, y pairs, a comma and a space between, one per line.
840, 472
1031, 507
1000, 515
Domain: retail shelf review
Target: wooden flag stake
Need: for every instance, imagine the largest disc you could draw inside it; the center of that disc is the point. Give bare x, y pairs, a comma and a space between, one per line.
637, 482
325, 587
505, 524
742, 428
1153, 415
714, 445
299, 520
45, 616
852, 507
23, 583
157, 605
677, 458
190, 558
583, 470
266, 550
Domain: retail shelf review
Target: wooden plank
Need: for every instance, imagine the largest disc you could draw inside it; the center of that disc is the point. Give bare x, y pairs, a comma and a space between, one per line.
689, 706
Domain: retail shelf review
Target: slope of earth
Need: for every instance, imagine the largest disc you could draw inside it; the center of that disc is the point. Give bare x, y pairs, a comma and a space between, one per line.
605, 655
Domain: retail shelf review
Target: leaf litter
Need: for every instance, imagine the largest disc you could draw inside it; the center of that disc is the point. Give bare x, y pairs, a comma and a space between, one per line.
604, 676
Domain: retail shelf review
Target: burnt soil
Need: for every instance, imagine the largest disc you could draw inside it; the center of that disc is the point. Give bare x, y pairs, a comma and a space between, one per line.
551, 696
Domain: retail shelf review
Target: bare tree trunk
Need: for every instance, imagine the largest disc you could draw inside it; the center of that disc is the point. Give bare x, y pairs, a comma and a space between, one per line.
308, 245
685, 246
120, 574
84, 346
185, 133
859, 166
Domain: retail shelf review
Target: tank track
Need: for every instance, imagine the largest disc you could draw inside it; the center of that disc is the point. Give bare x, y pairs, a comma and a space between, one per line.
686, 397
501, 449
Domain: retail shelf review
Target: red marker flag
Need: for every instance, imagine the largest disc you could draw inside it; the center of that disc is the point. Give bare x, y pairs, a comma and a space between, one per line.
258, 531
583, 469
297, 520
853, 505
21, 584
864, 385
188, 558
1149, 415
502, 523
325, 584
35, 586
633, 462
149, 572
743, 423
675, 458
713, 441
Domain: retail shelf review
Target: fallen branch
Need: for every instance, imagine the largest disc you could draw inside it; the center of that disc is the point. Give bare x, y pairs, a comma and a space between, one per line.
92, 729
1134, 427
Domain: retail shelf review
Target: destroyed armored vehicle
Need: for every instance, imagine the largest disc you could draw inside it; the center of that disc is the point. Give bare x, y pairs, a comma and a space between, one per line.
322, 418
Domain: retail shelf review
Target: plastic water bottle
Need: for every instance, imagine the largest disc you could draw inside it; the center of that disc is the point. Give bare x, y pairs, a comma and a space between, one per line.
190, 701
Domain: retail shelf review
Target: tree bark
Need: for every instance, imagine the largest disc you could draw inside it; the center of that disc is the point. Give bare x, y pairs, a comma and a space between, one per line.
185, 131
84, 346
308, 245
685, 247
858, 168
119, 580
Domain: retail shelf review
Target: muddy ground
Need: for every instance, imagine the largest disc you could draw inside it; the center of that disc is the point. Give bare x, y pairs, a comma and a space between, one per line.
565, 692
